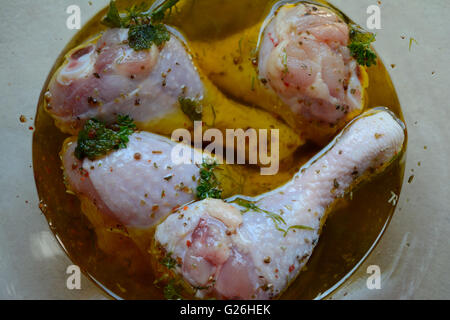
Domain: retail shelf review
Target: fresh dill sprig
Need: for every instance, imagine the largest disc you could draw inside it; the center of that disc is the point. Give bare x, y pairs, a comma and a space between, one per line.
411, 40
276, 218
298, 226
159, 13
169, 262
171, 291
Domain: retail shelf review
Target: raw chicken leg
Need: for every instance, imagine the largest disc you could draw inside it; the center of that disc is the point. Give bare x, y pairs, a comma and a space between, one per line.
254, 249
107, 77
305, 73
305, 59
137, 185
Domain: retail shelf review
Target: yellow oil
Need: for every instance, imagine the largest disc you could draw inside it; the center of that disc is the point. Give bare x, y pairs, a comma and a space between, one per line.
349, 233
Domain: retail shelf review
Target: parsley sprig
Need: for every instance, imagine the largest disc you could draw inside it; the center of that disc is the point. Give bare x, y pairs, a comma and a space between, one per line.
359, 46
142, 37
208, 185
97, 139
145, 26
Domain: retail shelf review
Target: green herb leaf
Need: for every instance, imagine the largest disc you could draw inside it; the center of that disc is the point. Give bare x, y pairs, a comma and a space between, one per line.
208, 185
142, 37
411, 40
168, 261
112, 18
250, 205
96, 139
159, 14
300, 227
359, 46
137, 14
171, 291
276, 218
212, 283
145, 27
191, 108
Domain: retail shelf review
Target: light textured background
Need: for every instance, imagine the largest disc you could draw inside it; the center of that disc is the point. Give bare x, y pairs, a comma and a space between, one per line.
414, 254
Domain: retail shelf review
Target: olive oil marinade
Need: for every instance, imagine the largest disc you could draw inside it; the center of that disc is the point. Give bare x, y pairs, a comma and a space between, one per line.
350, 231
